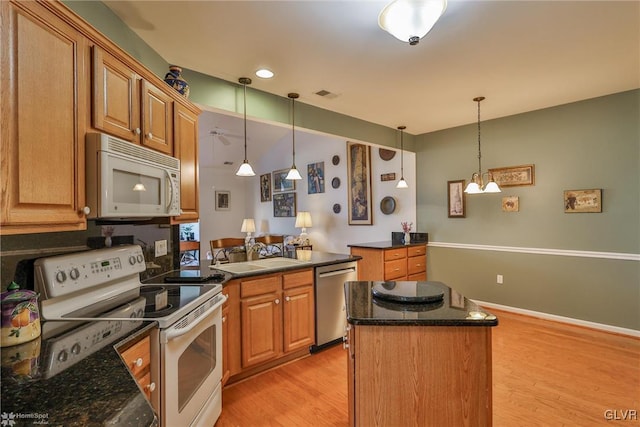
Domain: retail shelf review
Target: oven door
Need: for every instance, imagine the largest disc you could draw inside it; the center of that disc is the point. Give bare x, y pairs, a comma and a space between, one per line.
191, 367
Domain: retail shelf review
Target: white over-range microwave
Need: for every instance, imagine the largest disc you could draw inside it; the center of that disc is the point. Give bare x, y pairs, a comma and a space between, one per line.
125, 180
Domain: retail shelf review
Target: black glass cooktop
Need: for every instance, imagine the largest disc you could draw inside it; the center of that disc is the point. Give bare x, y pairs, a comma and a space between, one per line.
178, 296
193, 276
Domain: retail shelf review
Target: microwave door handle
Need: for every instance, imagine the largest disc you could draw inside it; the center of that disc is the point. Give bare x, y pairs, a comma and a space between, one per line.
171, 195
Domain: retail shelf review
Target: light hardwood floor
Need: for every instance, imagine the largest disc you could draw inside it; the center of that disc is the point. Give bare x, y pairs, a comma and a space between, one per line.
544, 374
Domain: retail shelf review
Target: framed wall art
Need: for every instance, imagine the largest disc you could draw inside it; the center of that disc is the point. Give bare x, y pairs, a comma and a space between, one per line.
315, 178
265, 187
388, 176
359, 184
280, 183
577, 201
223, 200
284, 205
510, 204
514, 176
456, 198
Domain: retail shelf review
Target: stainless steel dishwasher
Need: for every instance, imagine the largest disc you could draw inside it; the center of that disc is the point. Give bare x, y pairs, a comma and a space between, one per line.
330, 310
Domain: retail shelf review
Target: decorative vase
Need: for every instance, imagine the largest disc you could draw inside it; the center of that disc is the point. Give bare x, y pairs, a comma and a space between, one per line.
107, 241
407, 238
174, 79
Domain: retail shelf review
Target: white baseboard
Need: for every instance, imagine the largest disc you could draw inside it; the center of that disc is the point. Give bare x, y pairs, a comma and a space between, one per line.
562, 319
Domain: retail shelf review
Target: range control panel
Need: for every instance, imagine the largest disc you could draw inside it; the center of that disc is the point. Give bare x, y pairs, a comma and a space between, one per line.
65, 274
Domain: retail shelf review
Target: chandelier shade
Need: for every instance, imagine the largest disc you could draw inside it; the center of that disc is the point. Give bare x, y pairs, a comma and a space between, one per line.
411, 20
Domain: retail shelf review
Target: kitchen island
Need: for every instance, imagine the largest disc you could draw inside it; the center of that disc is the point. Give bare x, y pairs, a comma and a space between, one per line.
417, 363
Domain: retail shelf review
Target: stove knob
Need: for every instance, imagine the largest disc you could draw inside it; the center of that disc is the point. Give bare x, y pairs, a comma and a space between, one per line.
61, 276
140, 312
140, 258
75, 349
74, 273
62, 357
133, 315
132, 260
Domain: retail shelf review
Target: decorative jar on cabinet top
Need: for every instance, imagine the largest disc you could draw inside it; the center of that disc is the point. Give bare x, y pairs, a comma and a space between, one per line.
174, 79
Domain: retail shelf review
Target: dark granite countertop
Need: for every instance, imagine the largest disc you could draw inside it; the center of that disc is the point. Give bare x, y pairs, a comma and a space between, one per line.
313, 258
363, 308
97, 390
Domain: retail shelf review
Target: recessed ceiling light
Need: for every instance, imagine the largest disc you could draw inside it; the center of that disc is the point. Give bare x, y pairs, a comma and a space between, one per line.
264, 73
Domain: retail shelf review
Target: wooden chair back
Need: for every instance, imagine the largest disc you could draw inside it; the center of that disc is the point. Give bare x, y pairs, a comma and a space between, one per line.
273, 244
220, 248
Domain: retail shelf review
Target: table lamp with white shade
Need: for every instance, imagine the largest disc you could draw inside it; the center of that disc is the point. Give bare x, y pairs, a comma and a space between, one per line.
248, 226
303, 220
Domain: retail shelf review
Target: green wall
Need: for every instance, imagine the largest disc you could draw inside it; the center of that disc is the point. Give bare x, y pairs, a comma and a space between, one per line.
589, 144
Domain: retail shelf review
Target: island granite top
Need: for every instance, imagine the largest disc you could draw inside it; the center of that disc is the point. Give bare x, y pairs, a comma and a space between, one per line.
364, 308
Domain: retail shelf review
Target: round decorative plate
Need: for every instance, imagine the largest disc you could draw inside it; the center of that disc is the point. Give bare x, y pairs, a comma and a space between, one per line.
335, 159
335, 182
336, 208
386, 154
388, 205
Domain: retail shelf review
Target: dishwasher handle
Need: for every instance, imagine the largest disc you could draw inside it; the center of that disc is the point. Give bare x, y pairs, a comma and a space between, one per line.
337, 272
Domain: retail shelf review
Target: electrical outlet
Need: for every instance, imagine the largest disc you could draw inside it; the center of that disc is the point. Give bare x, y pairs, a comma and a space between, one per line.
499, 279
161, 248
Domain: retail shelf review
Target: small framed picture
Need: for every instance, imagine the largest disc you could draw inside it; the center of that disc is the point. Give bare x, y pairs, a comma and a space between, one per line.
284, 205
265, 187
577, 201
514, 176
510, 204
223, 200
456, 199
315, 178
280, 183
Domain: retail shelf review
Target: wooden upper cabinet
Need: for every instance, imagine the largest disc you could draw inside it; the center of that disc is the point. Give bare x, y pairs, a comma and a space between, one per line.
157, 119
43, 86
186, 149
129, 107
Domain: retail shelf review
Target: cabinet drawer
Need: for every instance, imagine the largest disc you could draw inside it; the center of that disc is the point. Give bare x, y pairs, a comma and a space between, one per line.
145, 384
418, 277
392, 254
138, 356
395, 269
416, 264
417, 250
299, 278
265, 285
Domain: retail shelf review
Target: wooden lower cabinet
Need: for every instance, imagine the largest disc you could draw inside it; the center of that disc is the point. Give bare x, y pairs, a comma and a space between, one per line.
393, 263
275, 321
419, 375
137, 357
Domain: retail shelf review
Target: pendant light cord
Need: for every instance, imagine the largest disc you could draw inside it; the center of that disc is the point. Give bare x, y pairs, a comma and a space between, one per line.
293, 128
478, 99
245, 122
401, 153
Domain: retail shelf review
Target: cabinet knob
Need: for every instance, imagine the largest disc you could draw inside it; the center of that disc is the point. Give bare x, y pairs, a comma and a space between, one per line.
138, 362
287, 298
150, 135
224, 319
86, 210
151, 387
136, 131
277, 301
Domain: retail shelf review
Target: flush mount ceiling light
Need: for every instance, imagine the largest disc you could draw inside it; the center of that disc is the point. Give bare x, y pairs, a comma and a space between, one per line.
476, 185
245, 168
411, 20
264, 73
402, 183
293, 172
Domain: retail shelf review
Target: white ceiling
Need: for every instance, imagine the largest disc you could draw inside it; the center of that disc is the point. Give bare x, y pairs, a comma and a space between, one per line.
520, 55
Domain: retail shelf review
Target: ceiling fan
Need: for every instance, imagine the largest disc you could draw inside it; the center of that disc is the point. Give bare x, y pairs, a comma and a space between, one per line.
223, 135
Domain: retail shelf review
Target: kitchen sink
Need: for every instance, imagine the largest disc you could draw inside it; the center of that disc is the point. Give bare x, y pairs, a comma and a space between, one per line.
265, 265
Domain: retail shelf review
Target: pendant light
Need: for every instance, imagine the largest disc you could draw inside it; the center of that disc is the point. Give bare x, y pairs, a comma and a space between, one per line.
402, 183
245, 168
476, 185
293, 172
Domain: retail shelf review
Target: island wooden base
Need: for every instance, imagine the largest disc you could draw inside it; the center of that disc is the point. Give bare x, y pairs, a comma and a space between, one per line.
419, 375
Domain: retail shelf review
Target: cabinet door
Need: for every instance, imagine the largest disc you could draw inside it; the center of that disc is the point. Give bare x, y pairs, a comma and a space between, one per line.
261, 329
116, 97
186, 149
157, 119
42, 88
298, 310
